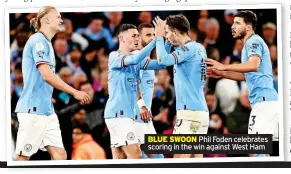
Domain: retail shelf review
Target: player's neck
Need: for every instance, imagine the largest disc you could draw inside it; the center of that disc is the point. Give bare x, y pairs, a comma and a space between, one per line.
47, 33
247, 36
124, 49
183, 39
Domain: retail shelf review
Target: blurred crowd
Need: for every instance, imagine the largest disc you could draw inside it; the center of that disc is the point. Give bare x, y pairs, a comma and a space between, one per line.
81, 52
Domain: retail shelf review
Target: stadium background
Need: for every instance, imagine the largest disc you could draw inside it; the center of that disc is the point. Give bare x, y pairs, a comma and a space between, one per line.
82, 50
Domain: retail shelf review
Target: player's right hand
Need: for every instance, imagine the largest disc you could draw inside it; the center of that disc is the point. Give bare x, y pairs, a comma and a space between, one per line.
214, 73
145, 114
82, 97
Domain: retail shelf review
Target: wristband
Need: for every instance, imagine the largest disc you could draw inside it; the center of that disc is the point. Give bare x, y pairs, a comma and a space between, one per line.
140, 103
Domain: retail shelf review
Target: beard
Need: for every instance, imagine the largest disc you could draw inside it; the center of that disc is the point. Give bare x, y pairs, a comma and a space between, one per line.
144, 43
241, 35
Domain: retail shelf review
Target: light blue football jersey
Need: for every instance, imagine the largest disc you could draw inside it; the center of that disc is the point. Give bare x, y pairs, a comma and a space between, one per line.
260, 83
189, 73
123, 82
36, 97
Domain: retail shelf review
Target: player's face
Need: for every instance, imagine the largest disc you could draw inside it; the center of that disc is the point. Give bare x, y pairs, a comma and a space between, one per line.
147, 35
131, 39
171, 35
238, 28
55, 20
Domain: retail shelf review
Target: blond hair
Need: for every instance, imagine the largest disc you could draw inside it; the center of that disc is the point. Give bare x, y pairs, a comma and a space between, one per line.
35, 22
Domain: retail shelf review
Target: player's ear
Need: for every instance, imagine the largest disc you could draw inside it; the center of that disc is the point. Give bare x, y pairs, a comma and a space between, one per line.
121, 38
46, 20
249, 27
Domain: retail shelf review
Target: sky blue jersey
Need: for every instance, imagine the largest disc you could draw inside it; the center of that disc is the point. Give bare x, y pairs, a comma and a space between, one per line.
36, 97
123, 79
260, 83
189, 73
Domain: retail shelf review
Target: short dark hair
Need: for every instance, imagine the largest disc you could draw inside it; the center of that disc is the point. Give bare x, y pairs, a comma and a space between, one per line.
125, 27
82, 126
179, 22
144, 25
249, 17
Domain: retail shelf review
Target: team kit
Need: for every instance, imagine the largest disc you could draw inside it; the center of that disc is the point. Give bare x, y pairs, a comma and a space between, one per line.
131, 76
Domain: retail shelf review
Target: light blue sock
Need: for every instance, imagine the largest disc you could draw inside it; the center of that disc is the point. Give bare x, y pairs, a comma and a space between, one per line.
13, 159
143, 155
158, 156
259, 155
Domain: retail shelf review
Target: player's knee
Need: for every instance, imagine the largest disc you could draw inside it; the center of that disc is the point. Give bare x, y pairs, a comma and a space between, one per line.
134, 152
20, 158
118, 155
136, 155
60, 155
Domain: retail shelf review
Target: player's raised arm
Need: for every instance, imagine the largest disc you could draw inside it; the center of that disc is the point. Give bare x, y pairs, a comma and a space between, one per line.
163, 29
175, 57
118, 60
150, 64
140, 55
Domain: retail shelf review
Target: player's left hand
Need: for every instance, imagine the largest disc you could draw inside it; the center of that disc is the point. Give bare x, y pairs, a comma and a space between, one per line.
214, 64
145, 114
159, 27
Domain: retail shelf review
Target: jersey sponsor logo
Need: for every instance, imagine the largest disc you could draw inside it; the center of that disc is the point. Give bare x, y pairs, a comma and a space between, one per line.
254, 47
150, 82
130, 79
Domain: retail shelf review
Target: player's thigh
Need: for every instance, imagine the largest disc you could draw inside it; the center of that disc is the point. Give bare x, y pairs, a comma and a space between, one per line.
30, 133
140, 129
264, 119
122, 131
148, 128
53, 135
196, 123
